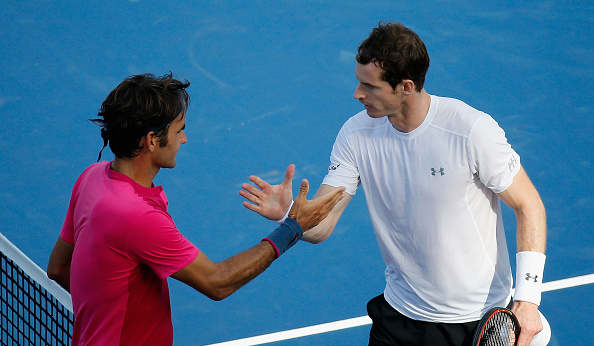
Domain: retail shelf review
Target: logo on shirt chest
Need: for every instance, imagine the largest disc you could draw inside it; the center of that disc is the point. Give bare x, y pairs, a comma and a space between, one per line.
436, 172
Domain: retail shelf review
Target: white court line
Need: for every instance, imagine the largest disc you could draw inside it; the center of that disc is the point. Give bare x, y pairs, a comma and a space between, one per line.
364, 320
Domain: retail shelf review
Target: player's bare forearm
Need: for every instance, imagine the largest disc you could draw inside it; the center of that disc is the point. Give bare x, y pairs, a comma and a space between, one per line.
242, 268
523, 198
531, 228
219, 280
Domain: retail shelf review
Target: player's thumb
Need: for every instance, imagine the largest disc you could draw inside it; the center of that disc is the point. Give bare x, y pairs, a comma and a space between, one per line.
289, 174
303, 189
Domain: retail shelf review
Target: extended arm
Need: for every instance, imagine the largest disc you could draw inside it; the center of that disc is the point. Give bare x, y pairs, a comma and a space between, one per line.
531, 234
58, 268
219, 280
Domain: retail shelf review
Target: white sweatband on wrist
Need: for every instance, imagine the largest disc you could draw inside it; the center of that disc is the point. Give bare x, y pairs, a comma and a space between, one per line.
286, 215
529, 271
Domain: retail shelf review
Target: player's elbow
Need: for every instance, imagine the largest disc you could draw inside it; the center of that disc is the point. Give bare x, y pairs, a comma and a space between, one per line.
218, 292
220, 286
61, 276
218, 296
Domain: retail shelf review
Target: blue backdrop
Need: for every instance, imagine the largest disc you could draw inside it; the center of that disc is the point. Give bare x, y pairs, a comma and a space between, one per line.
272, 83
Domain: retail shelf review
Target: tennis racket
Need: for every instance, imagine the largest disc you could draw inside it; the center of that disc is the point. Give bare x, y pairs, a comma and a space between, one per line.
498, 327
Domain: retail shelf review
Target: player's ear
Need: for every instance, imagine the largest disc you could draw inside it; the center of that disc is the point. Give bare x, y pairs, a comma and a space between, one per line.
149, 141
408, 86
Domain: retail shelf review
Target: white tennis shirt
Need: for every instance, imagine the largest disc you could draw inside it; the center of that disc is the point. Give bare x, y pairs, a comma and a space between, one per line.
431, 194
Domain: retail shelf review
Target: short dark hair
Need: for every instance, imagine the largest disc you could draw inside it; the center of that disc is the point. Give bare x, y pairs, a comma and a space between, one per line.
398, 51
139, 105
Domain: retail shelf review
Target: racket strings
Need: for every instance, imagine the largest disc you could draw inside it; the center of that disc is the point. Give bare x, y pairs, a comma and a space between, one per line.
500, 330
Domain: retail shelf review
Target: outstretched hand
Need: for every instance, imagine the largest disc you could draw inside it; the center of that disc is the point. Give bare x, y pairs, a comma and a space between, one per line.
270, 201
310, 213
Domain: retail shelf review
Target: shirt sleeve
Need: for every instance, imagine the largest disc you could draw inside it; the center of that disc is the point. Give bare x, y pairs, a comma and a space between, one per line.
156, 242
67, 231
494, 160
343, 168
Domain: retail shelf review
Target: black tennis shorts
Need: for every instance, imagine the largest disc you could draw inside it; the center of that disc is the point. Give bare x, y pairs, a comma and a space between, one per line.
392, 328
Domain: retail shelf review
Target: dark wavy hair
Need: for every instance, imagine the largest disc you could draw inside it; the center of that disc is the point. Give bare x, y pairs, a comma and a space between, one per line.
398, 51
139, 105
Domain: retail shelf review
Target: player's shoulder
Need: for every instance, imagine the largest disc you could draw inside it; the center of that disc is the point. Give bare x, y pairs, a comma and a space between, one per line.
456, 116
362, 120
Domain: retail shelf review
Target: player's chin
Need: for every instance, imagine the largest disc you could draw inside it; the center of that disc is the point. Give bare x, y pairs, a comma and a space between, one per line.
373, 114
170, 164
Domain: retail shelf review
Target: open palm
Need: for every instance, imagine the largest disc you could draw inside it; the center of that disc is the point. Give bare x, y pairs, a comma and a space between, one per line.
270, 201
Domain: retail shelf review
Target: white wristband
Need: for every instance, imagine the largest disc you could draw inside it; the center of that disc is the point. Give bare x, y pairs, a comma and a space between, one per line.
529, 271
286, 215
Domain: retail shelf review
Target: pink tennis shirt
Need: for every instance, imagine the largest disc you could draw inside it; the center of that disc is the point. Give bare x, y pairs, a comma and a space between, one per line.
125, 247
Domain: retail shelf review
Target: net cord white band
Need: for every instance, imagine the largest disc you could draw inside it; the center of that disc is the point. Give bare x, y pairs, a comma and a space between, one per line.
36, 273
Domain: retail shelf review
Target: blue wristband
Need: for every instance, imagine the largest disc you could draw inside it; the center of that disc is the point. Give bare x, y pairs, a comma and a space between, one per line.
285, 236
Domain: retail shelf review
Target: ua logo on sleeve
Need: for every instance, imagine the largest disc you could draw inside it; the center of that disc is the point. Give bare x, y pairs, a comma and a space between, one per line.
512, 163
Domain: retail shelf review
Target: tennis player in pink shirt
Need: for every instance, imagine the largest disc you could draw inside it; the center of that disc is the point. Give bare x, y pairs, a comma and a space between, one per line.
118, 243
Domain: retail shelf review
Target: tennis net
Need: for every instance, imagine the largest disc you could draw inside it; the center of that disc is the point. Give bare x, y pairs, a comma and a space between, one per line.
34, 309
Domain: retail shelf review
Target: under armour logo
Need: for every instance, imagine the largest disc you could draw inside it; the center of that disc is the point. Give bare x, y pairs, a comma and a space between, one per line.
512, 164
528, 277
333, 168
433, 171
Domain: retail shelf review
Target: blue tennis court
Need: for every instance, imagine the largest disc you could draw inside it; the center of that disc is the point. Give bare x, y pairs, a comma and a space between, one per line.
272, 83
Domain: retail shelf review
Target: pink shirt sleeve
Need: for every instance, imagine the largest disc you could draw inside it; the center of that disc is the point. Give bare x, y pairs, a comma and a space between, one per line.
156, 242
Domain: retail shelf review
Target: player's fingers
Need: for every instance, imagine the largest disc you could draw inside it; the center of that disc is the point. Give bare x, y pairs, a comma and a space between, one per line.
525, 338
340, 194
335, 194
250, 197
334, 197
252, 190
289, 174
259, 182
251, 207
300, 199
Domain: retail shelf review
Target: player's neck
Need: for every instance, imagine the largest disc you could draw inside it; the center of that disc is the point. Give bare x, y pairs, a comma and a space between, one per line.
137, 169
413, 112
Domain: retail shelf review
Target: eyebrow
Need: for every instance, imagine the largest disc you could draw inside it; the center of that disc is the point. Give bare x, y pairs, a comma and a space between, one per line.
365, 83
